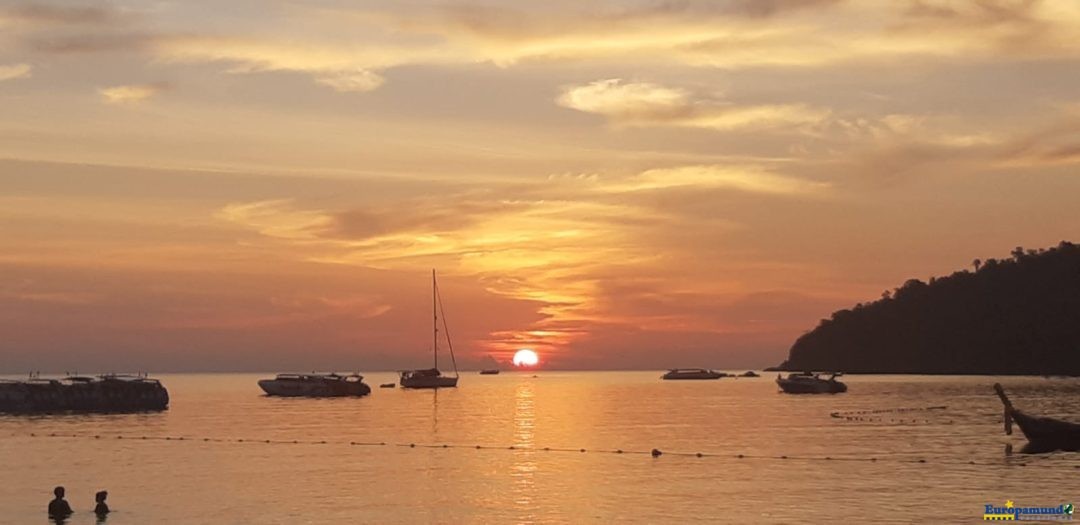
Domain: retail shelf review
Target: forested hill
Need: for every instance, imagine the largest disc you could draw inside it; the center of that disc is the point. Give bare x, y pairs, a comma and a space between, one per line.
1012, 316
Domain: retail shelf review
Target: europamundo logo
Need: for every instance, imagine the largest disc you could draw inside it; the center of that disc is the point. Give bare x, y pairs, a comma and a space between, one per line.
1012, 512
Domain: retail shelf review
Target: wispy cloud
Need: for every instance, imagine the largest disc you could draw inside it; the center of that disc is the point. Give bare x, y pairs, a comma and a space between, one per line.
92, 43
742, 178
354, 81
47, 14
131, 94
647, 104
11, 72
277, 218
346, 66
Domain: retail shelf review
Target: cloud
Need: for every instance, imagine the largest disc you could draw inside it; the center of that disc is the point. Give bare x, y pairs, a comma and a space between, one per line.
767, 8
92, 43
131, 94
748, 179
627, 101
14, 71
277, 218
61, 15
352, 82
344, 66
647, 104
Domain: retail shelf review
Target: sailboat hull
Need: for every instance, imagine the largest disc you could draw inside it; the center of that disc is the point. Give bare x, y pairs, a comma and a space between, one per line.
428, 382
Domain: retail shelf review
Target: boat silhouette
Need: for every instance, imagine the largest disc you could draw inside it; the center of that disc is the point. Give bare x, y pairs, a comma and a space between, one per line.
433, 377
1042, 433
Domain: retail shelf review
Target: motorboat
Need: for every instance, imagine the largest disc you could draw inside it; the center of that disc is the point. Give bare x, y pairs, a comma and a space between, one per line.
749, 373
103, 393
433, 377
1042, 433
692, 373
315, 385
489, 372
810, 383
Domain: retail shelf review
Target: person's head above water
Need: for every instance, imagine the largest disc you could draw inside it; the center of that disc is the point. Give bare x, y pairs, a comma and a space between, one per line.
58, 492
100, 496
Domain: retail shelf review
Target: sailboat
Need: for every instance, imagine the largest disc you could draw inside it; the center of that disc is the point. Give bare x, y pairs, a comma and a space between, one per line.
432, 377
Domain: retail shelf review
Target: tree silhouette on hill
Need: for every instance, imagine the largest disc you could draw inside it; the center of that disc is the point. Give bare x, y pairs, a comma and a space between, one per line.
1011, 316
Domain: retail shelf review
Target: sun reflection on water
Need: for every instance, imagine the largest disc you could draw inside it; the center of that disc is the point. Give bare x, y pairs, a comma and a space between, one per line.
524, 467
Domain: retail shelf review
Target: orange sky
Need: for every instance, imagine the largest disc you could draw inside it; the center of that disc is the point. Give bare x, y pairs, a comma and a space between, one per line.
264, 185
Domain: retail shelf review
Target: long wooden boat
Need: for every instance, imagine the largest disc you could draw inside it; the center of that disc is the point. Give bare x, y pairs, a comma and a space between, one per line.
105, 393
1041, 432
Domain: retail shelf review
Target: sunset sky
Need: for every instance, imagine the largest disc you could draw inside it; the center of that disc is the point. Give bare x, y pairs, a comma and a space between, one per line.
261, 185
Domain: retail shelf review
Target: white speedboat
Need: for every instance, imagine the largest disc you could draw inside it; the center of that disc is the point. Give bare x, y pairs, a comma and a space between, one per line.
809, 383
315, 385
432, 377
692, 373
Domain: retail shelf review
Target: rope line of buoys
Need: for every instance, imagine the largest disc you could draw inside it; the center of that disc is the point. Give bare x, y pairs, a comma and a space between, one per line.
876, 415
844, 413
655, 453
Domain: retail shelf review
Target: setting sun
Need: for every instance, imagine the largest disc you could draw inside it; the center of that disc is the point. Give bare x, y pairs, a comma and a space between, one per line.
526, 357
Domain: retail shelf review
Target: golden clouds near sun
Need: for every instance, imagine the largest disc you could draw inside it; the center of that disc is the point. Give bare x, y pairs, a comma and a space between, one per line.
526, 357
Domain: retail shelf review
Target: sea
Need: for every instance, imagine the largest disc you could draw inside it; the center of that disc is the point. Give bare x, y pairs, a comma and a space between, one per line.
548, 447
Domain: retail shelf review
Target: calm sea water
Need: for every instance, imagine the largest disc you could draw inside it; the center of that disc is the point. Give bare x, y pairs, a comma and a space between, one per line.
197, 481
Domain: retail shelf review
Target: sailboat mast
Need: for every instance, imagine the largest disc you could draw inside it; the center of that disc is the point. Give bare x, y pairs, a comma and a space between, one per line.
434, 319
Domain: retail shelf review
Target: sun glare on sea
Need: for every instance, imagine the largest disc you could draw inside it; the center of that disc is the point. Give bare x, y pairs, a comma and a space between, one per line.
526, 357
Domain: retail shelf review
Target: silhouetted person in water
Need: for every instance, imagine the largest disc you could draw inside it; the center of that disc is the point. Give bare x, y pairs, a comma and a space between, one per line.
101, 509
59, 509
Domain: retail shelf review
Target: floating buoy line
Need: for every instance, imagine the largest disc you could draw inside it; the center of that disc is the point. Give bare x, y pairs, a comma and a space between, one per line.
655, 453
900, 416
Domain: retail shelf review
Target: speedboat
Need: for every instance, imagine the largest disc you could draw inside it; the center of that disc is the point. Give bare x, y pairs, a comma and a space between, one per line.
432, 377
692, 373
810, 383
315, 385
